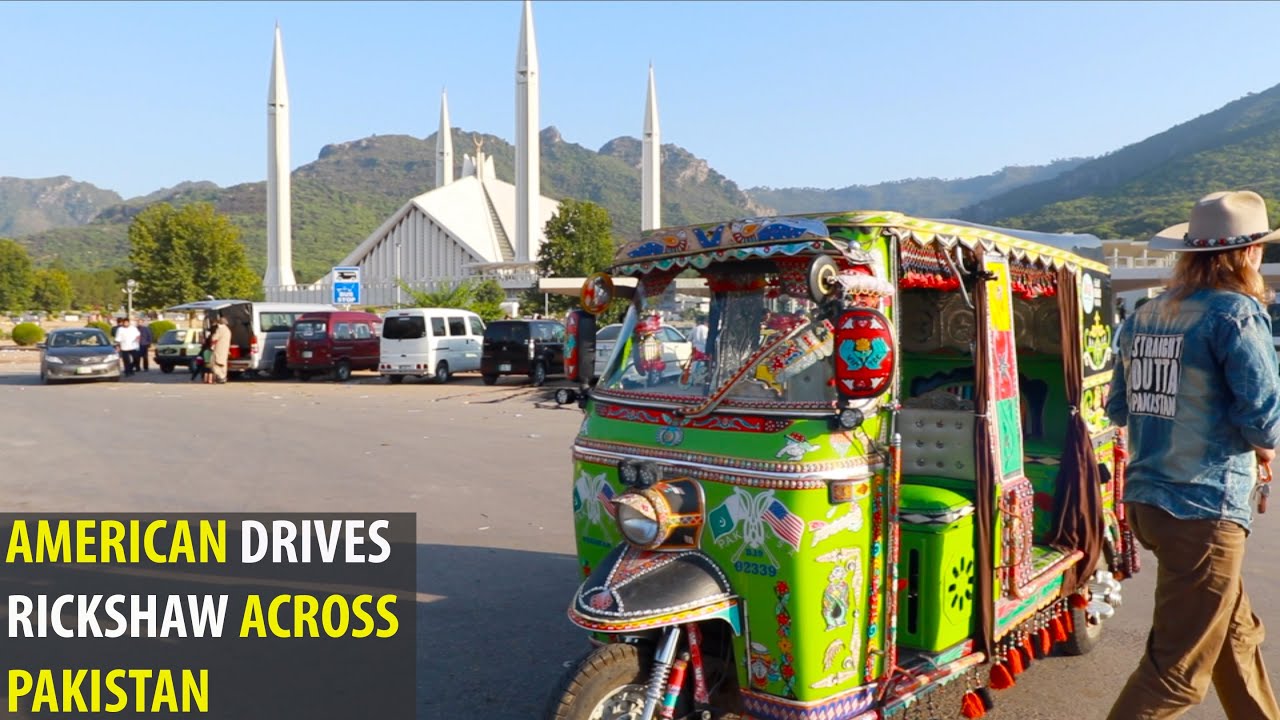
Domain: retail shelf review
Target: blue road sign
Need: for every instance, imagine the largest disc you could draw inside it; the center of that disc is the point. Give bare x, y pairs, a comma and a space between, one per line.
346, 286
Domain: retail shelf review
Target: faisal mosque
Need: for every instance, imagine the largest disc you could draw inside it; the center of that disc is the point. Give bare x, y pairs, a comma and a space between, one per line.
470, 227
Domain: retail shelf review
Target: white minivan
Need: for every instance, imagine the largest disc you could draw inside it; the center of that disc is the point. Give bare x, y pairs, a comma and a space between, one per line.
435, 342
259, 331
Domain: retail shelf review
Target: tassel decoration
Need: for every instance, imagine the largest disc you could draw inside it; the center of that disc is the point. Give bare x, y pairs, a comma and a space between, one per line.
1059, 630
971, 706
1045, 646
1069, 622
984, 694
1001, 678
1014, 659
1028, 649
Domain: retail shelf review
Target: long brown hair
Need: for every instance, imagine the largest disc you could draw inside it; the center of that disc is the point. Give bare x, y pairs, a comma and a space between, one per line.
1218, 270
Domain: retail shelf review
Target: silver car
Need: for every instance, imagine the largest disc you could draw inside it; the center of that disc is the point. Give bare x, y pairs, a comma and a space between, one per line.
676, 348
78, 354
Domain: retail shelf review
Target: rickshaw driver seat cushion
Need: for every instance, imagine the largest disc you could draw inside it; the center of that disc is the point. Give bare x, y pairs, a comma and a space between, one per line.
937, 443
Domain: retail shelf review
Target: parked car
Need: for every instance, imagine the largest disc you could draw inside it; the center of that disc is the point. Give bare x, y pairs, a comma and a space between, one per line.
435, 342
676, 348
334, 343
178, 347
259, 331
78, 354
522, 347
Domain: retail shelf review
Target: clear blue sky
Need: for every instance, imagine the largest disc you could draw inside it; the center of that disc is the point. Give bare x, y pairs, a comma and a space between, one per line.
136, 96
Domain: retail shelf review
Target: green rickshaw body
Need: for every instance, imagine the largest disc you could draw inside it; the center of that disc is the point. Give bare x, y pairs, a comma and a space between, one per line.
837, 472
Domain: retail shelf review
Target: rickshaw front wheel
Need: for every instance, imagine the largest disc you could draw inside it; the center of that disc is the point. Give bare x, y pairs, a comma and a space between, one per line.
1084, 635
608, 683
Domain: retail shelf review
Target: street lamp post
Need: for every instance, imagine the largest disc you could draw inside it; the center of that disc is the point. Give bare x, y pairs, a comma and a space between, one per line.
130, 287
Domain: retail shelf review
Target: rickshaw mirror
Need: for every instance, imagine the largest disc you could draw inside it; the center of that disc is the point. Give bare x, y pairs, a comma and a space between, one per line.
823, 279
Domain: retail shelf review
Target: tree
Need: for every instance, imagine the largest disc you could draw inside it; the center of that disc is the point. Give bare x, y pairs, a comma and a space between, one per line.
15, 276
488, 299
97, 289
444, 295
579, 242
182, 254
482, 297
51, 290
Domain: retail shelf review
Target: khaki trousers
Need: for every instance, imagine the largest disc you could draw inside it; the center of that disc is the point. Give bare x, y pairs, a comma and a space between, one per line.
1203, 629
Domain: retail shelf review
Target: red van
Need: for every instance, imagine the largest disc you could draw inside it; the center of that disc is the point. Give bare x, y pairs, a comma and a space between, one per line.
334, 343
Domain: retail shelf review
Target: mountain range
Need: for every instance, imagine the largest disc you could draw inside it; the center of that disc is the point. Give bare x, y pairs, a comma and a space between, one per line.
351, 188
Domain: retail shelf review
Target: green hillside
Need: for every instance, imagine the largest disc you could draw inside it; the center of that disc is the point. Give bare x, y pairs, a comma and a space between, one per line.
926, 197
31, 206
353, 187
1139, 189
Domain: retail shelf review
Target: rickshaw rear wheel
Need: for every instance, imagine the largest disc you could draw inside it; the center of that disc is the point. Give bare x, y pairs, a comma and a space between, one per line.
1084, 633
608, 683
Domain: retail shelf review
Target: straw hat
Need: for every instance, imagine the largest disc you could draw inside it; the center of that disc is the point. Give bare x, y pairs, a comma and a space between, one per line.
1219, 221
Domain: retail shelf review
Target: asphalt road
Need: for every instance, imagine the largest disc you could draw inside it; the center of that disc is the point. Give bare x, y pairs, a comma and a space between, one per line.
486, 469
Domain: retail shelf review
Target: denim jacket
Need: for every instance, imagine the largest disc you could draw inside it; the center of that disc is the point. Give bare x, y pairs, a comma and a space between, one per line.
1198, 388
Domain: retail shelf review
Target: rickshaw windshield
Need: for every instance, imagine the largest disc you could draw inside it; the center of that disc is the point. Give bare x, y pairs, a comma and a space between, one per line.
760, 342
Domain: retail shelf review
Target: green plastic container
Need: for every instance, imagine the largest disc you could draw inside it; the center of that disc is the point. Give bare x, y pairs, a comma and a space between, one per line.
936, 559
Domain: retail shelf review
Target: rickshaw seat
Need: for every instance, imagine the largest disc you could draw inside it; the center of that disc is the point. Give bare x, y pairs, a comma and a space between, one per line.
937, 443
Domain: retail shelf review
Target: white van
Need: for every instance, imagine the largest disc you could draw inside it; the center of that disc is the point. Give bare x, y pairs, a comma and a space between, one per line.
435, 342
259, 331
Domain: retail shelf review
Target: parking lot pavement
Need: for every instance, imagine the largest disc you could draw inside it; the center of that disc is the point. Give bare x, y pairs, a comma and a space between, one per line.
486, 469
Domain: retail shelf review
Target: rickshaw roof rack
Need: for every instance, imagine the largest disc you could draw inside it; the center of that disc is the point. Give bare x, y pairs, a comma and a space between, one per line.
696, 246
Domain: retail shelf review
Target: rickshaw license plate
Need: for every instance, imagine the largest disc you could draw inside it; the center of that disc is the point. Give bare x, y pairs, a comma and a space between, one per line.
306, 353
504, 367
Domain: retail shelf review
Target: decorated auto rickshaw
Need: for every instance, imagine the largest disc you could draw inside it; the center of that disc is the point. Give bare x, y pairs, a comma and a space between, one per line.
886, 483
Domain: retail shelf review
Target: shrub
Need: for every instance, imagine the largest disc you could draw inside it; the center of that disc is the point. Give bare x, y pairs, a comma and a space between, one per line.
27, 333
101, 325
159, 328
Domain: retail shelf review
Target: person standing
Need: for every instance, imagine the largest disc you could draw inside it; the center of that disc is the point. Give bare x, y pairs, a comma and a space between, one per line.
144, 345
200, 363
115, 340
127, 339
1199, 388
221, 346
698, 337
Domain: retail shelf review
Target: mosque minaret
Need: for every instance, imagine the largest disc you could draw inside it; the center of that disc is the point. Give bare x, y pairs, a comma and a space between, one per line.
444, 145
528, 155
651, 163
279, 229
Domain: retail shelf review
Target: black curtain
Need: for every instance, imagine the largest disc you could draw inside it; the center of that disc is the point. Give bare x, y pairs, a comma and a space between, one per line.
1078, 521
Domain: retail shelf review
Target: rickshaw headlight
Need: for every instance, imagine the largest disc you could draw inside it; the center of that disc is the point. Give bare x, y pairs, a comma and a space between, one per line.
849, 418
666, 516
638, 520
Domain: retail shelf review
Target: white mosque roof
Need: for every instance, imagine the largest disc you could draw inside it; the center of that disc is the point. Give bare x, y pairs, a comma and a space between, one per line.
466, 209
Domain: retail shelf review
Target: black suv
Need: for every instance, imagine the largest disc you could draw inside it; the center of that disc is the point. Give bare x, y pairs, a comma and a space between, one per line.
522, 347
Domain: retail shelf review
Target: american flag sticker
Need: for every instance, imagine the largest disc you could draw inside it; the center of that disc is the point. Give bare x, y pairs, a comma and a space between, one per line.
786, 525
605, 496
